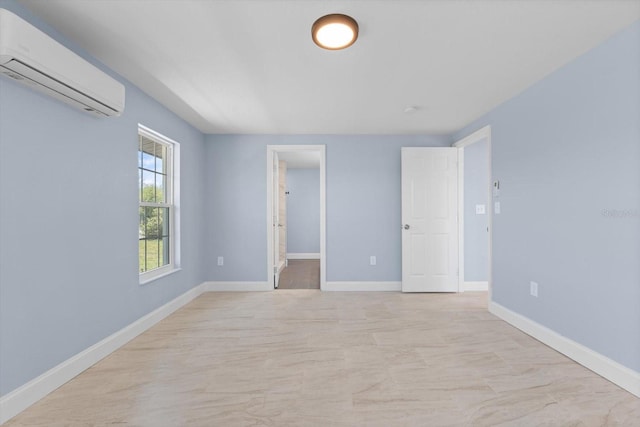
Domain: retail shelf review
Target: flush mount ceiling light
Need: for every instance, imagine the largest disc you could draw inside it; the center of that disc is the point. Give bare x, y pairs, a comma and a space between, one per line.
335, 31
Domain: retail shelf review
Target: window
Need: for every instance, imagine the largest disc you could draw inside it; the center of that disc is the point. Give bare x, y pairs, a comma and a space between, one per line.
158, 191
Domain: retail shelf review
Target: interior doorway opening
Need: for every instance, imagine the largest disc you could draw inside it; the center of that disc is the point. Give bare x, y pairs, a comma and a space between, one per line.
296, 216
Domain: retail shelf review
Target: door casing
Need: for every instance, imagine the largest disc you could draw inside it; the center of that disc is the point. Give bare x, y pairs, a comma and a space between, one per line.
479, 135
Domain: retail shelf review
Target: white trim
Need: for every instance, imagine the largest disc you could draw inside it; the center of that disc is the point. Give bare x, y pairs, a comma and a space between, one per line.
21, 398
152, 134
175, 223
618, 374
363, 286
161, 272
461, 287
475, 286
323, 217
479, 135
271, 149
238, 286
487, 131
303, 255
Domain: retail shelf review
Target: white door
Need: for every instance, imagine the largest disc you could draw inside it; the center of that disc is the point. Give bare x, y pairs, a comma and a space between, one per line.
274, 219
429, 219
282, 214
279, 217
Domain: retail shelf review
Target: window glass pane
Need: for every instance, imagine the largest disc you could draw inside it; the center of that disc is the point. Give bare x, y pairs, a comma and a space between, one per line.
142, 224
161, 155
160, 194
148, 186
148, 160
142, 255
148, 147
151, 222
142, 244
154, 247
164, 222
165, 250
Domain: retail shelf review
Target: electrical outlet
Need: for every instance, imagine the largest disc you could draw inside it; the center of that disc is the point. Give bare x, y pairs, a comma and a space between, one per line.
220, 261
533, 289
373, 260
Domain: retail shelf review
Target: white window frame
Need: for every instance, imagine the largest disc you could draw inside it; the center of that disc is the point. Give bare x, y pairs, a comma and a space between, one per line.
173, 203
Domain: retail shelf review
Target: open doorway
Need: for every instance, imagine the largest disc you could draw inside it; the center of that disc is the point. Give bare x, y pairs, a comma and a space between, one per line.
302, 223
296, 216
475, 211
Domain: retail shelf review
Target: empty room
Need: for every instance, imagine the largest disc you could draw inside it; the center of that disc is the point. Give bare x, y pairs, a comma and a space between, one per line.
319, 213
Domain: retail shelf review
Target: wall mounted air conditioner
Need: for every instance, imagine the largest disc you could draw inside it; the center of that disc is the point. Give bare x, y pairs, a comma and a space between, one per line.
31, 57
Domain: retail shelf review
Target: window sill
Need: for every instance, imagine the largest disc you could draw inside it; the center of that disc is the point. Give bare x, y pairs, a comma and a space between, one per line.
148, 279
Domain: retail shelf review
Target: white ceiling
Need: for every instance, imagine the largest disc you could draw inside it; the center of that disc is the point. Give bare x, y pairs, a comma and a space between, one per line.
250, 66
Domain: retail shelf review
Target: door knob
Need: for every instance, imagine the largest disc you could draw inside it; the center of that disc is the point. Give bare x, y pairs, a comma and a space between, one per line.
406, 226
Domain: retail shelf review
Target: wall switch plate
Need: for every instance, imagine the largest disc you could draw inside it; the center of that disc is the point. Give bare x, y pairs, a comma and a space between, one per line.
496, 208
220, 261
480, 209
373, 260
533, 289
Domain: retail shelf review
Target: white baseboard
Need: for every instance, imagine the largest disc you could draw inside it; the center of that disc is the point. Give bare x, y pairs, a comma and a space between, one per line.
21, 398
363, 286
475, 286
237, 286
618, 374
303, 255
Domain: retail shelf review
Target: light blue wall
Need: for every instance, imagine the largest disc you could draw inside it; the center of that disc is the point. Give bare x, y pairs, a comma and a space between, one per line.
476, 187
363, 204
69, 224
567, 154
303, 211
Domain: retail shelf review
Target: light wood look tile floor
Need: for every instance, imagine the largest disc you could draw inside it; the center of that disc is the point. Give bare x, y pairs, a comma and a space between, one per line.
300, 274
307, 358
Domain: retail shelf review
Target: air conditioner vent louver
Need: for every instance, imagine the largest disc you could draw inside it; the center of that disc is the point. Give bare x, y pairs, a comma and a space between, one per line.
13, 75
31, 57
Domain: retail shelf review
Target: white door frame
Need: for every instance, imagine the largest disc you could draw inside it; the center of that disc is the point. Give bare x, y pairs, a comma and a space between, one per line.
271, 149
477, 136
